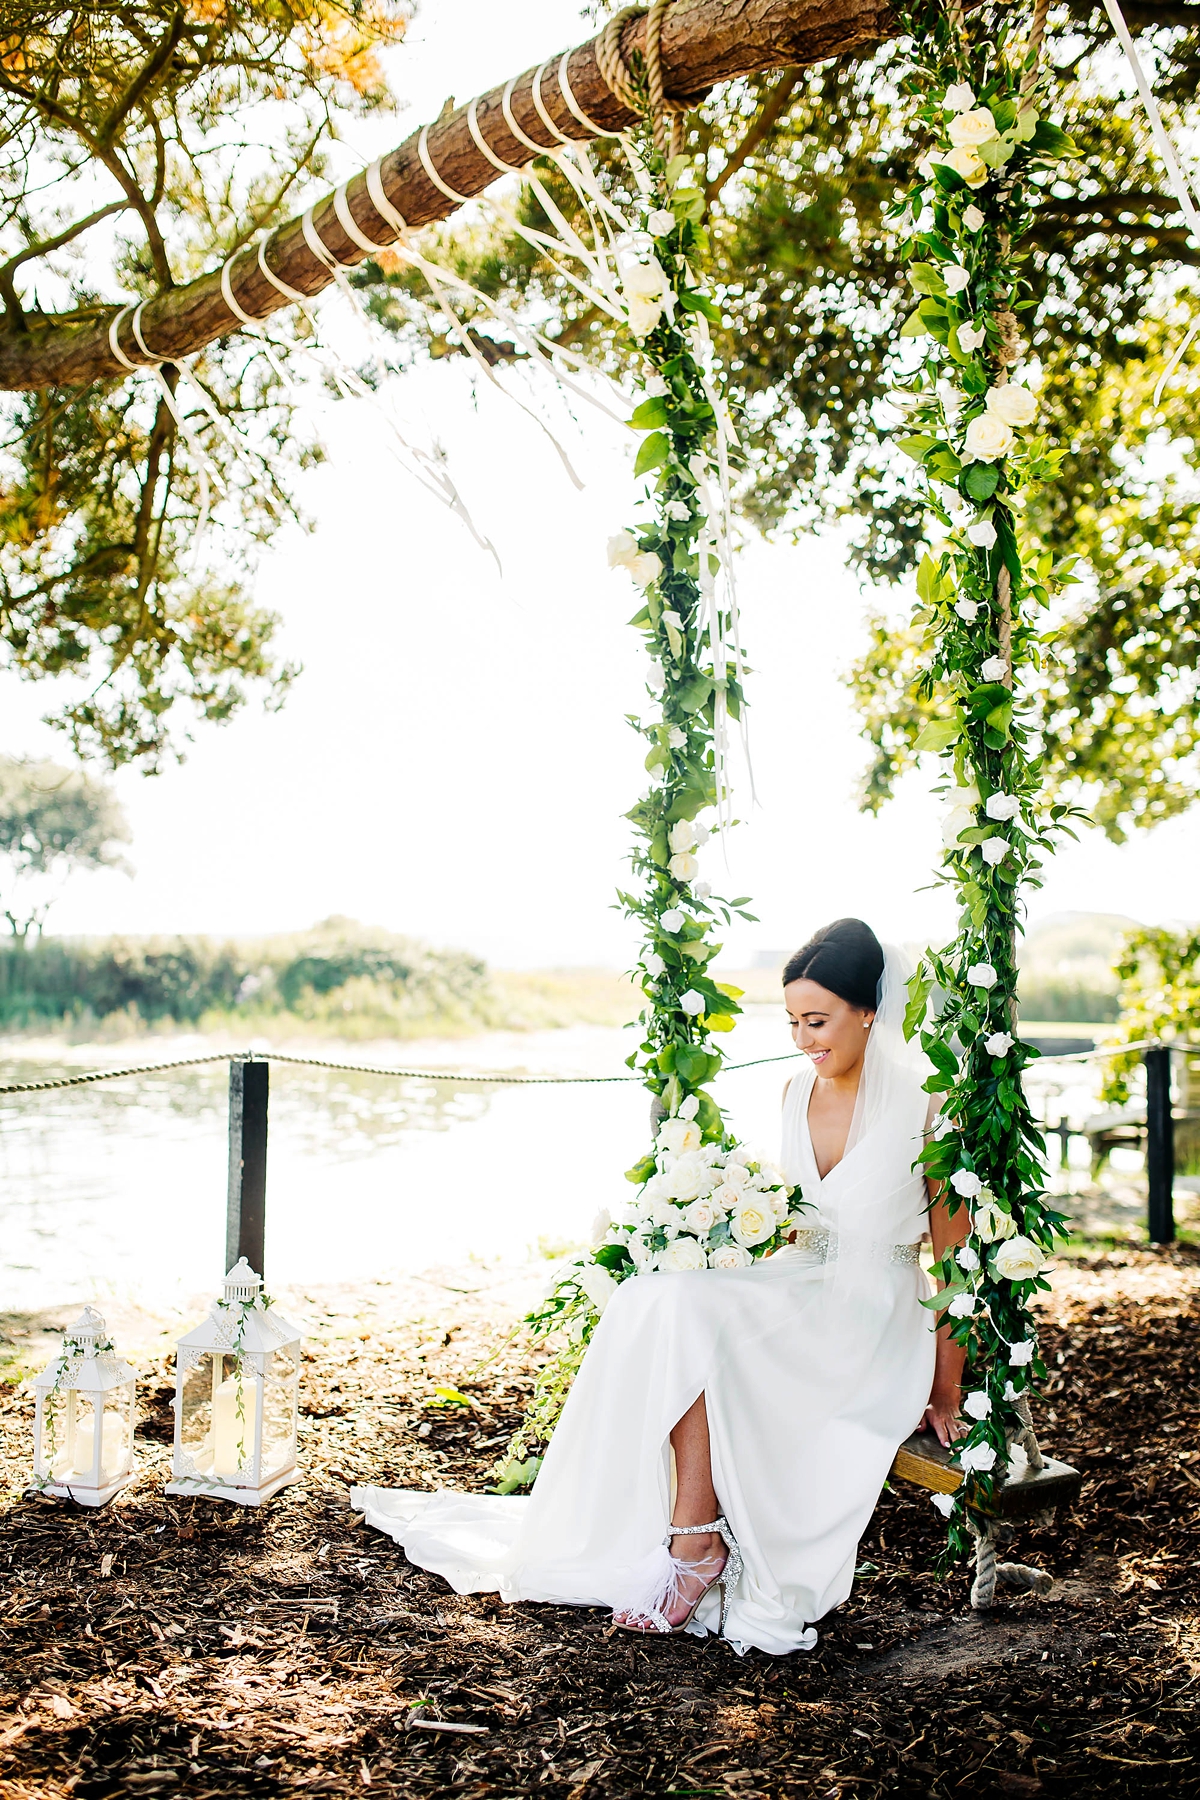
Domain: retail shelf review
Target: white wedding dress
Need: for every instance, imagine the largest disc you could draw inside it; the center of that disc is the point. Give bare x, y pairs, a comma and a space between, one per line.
815, 1364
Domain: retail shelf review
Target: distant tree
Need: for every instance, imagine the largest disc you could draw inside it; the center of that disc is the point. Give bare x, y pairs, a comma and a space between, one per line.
141, 142
1159, 972
52, 822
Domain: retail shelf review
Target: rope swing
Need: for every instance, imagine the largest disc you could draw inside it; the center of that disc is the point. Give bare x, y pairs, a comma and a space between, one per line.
643, 95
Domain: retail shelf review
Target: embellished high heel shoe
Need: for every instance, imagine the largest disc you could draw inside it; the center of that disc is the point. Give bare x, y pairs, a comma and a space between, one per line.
662, 1586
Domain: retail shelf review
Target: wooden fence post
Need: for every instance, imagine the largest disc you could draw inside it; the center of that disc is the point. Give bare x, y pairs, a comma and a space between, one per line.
246, 1206
1160, 1146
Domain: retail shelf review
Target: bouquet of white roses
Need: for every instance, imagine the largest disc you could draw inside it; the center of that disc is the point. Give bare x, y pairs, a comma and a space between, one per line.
701, 1206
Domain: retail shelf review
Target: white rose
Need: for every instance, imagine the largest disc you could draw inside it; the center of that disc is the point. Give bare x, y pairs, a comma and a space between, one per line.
645, 567
693, 1003
991, 1223
642, 1254
752, 1221
676, 738
1020, 1355
671, 920
978, 1404
700, 1218
737, 1175
966, 1183
682, 835
656, 681
978, 1456
679, 1137
702, 889
621, 547
955, 278
988, 437
972, 128
672, 619
970, 337
925, 168
982, 533
962, 1306
678, 510
780, 1203
661, 222
954, 824
729, 1256
1012, 403
972, 218
999, 1044
967, 1259
646, 283
944, 1503
597, 1284
994, 849
967, 162
654, 963
682, 1255
1019, 1259
960, 97
644, 315
1010, 1392
601, 1225
726, 1198
687, 1109
688, 1178
994, 669
655, 387
1002, 806
683, 866
982, 975
961, 816
967, 610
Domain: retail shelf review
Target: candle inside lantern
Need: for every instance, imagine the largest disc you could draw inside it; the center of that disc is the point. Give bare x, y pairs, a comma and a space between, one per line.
230, 1431
112, 1445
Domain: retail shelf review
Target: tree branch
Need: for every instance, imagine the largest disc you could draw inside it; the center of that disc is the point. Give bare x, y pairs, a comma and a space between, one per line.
703, 42
8, 292
763, 122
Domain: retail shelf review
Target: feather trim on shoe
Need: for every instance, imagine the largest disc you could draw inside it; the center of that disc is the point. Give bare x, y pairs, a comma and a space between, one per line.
651, 1587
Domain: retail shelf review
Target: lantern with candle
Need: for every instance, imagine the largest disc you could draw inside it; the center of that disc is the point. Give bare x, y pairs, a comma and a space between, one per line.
83, 1417
236, 1393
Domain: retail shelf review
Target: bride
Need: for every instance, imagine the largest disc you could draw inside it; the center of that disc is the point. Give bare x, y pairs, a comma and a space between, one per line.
729, 1432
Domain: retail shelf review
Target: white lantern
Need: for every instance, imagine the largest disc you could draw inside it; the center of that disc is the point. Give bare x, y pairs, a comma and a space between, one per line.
236, 1393
83, 1417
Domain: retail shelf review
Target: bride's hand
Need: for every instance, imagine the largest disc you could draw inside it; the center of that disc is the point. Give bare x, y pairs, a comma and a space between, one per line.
943, 1415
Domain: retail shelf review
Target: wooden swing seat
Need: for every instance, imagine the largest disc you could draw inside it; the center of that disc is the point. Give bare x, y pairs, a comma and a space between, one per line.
1024, 1492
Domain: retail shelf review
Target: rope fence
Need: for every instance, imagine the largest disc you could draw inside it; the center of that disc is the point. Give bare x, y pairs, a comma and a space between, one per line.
249, 1082
491, 1079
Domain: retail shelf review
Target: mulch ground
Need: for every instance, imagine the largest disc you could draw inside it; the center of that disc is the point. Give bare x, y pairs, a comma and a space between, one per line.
185, 1647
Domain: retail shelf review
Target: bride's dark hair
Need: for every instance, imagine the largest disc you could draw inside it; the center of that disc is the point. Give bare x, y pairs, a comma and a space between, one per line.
845, 957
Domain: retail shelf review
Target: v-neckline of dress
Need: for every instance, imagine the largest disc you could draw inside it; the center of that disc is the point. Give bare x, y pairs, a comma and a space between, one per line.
847, 1148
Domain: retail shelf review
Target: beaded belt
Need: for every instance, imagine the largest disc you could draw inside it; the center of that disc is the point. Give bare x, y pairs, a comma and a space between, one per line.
822, 1246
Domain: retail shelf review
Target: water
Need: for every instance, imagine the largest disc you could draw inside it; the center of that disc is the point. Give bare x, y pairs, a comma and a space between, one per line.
118, 1189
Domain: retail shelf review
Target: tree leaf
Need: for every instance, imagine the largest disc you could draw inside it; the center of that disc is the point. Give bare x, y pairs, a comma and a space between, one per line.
653, 453
980, 480
939, 734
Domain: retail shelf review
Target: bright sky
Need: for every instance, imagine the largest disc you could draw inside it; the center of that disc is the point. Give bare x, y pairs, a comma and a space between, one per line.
454, 760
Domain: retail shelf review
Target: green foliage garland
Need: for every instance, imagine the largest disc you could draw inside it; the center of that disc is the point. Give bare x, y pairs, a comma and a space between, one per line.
741, 1207
980, 592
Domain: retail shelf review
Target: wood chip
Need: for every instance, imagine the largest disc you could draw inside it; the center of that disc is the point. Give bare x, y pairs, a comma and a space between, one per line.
411, 1724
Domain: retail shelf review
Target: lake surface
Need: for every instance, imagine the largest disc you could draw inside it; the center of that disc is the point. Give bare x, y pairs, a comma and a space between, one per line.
118, 1189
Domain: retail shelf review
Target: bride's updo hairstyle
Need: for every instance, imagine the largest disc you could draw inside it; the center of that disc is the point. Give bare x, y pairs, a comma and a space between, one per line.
845, 957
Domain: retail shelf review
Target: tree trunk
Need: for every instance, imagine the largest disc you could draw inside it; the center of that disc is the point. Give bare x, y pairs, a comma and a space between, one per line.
703, 42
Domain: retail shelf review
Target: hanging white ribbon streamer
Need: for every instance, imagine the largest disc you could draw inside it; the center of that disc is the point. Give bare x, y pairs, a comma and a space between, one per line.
1182, 186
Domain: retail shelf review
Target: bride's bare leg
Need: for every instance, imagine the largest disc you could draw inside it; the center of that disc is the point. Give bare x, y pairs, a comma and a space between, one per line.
695, 1497
695, 1504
